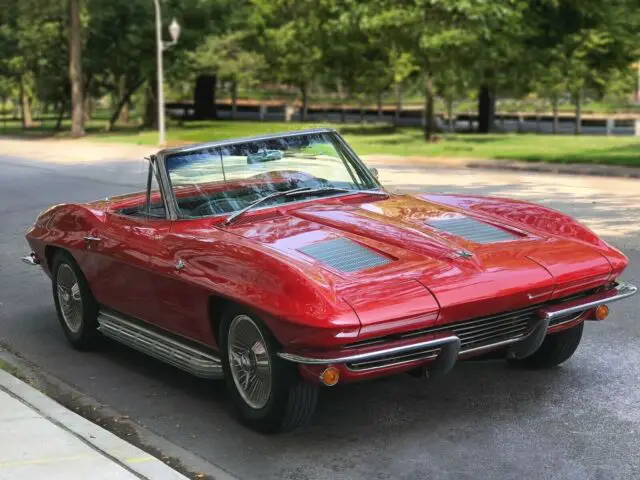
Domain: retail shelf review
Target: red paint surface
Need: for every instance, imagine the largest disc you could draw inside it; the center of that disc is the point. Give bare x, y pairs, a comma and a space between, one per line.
257, 263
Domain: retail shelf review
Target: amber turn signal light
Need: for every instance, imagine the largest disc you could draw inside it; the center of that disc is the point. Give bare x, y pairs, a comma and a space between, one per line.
330, 376
602, 312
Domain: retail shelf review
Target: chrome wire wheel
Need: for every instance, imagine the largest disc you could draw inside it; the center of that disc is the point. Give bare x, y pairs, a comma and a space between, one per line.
249, 361
69, 297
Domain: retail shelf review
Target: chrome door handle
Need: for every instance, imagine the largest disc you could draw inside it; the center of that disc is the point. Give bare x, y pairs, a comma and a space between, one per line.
92, 239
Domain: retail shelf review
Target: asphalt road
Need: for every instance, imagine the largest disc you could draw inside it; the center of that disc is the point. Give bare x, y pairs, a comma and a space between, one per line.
485, 420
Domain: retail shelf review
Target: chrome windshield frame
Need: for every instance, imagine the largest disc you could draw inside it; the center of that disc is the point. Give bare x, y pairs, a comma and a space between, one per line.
167, 190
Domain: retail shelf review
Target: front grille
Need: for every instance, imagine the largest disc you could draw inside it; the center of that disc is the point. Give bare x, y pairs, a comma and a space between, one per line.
345, 255
488, 330
480, 333
471, 229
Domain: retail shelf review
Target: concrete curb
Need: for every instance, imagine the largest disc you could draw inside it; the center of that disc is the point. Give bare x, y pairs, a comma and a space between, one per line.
566, 169
106, 443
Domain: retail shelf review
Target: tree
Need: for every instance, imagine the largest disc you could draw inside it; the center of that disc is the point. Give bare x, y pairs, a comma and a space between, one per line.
75, 70
290, 37
579, 44
120, 53
438, 33
229, 55
33, 48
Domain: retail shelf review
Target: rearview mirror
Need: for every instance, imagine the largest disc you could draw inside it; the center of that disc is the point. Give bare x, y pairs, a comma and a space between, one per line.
374, 172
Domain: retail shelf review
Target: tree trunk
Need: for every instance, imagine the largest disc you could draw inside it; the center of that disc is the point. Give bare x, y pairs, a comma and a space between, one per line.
25, 106
379, 106
578, 103
429, 124
486, 109
61, 110
305, 101
75, 70
88, 108
123, 115
151, 105
123, 103
450, 114
396, 116
554, 107
234, 99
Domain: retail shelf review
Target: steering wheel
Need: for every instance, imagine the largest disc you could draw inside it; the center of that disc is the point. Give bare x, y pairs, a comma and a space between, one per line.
209, 207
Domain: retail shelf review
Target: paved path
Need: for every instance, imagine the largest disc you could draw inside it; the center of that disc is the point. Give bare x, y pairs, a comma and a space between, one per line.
484, 421
42, 439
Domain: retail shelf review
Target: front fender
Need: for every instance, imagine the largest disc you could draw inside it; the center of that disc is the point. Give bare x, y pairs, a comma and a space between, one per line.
299, 304
535, 218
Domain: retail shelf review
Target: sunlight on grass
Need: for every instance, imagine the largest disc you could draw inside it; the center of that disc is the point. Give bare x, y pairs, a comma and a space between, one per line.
385, 140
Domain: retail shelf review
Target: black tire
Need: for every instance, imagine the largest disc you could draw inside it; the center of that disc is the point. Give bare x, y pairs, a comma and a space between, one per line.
291, 401
86, 336
555, 349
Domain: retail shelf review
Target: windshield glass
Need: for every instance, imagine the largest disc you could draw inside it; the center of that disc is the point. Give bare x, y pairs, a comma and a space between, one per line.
225, 179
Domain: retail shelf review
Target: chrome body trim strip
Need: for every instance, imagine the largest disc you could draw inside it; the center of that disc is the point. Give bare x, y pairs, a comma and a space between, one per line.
569, 319
619, 292
419, 357
484, 348
233, 141
31, 259
185, 357
359, 357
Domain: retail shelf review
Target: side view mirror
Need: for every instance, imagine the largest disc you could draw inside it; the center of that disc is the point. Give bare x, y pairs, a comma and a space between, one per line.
374, 172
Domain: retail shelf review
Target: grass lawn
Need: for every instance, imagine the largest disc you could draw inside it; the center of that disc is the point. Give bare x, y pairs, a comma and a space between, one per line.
383, 139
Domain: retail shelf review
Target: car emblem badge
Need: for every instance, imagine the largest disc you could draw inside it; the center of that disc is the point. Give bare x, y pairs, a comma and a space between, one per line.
464, 254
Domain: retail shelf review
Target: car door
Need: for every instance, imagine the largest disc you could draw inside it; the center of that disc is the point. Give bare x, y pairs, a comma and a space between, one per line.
118, 264
182, 302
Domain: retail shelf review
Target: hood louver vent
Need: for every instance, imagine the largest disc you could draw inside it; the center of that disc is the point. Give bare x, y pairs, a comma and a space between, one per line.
471, 230
345, 255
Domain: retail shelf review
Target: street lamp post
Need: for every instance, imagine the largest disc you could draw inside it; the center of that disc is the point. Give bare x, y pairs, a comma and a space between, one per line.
174, 31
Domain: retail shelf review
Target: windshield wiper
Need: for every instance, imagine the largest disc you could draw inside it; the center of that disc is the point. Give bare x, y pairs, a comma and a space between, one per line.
347, 190
295, 191
284, 193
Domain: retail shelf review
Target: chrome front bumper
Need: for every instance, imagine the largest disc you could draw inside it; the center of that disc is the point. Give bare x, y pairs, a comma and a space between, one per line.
31, 259
449, 344
619, 292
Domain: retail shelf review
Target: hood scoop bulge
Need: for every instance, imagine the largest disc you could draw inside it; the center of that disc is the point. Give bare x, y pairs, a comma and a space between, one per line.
471, 229
344, 255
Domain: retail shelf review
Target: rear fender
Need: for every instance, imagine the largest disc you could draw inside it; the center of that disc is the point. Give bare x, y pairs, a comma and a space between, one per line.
63, 226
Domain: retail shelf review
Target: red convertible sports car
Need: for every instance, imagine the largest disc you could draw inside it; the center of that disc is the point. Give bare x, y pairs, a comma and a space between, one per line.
281, 264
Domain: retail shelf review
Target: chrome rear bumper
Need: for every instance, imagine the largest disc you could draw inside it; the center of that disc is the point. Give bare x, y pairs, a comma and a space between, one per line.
447, 347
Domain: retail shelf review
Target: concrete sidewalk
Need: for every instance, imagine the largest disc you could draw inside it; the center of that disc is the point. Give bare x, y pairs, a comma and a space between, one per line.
39, 438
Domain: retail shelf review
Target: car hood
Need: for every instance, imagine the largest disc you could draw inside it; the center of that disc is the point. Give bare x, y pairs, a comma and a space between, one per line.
409, 259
